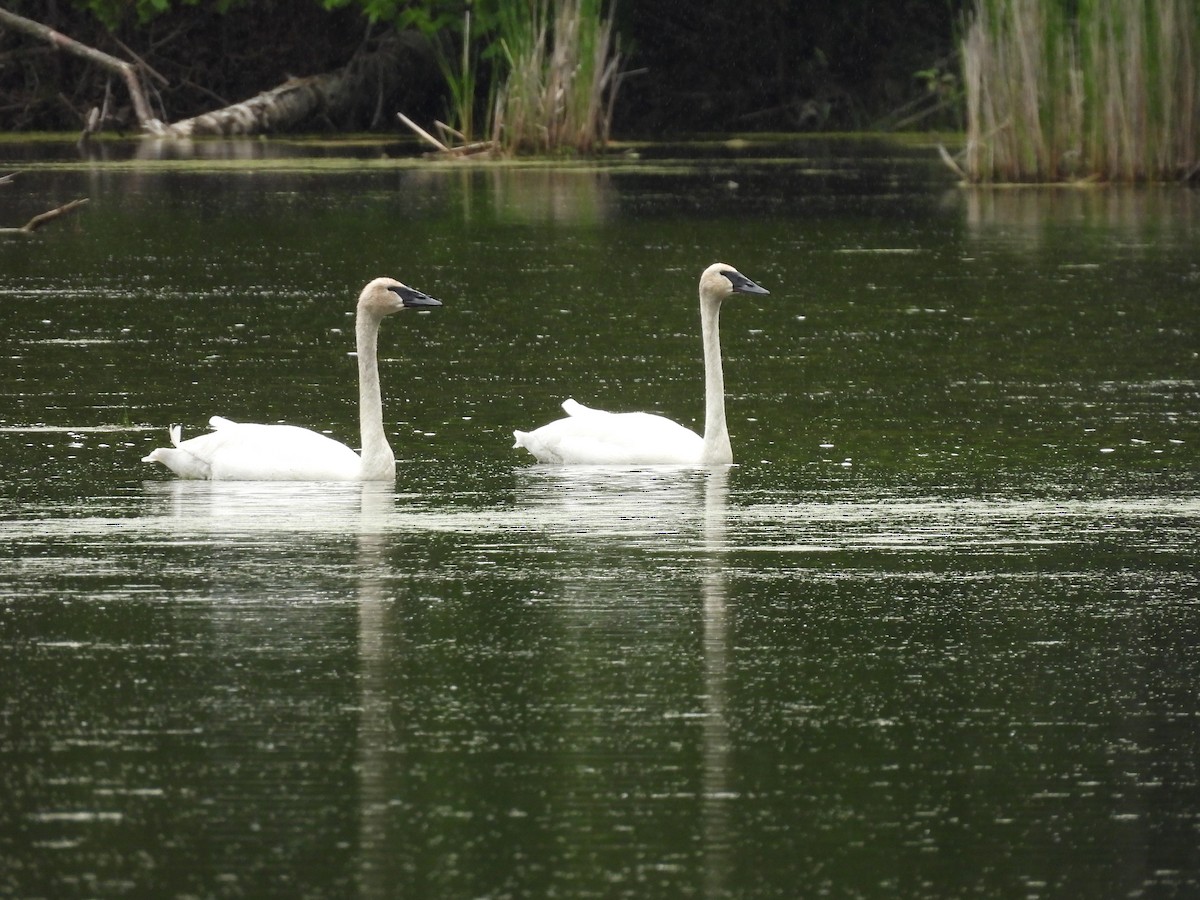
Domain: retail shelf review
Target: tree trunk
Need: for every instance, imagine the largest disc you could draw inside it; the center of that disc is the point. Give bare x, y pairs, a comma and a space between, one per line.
292, 102
371, 73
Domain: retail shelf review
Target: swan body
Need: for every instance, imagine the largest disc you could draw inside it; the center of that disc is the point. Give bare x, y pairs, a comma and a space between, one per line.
235, 451
239, 451
596, 437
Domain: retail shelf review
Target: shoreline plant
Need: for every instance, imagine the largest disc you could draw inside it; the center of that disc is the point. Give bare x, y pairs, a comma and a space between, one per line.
1060, 90
551, 70
563, 65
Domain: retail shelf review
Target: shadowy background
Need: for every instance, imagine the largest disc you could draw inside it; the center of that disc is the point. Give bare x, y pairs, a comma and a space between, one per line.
718, 66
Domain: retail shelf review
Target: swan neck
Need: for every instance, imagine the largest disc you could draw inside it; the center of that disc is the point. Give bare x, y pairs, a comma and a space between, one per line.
717, 449
377, 458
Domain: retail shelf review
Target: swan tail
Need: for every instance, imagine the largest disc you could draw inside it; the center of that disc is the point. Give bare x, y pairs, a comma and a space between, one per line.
519, 437
218, 422
576, 410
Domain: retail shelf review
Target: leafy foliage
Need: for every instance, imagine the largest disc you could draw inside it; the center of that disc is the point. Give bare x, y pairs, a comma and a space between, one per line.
114, 12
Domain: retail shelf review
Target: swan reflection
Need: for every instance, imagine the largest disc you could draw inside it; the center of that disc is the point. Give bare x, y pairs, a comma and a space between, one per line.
592, 506
263, 507
640, 566
718, 792
634, 548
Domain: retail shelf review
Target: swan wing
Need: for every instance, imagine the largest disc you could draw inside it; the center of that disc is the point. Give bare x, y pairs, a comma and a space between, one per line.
596, 437
236, 451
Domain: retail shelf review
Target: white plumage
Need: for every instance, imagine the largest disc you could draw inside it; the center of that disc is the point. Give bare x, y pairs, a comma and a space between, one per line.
235, 451
596, 437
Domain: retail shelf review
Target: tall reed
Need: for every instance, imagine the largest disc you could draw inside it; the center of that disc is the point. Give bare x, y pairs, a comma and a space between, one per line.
563, 64
458, 63
1061, 89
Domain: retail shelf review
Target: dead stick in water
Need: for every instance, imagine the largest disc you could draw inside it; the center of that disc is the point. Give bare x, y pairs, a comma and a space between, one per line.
421, 132
42, 218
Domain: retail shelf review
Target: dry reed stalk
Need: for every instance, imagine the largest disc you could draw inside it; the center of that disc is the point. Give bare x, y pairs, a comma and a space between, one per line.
1093, 88
563, 75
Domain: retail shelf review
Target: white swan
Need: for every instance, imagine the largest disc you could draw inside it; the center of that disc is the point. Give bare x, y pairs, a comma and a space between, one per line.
244, 452
595, 437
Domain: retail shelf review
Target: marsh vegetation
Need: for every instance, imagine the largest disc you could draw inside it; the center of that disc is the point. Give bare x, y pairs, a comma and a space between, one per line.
538, 76
1101, 89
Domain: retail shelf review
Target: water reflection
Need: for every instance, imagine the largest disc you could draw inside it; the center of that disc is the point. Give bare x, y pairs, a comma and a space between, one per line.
375, 703
246, 507
1027, 211
244, 149
285, 520
968, 668
590, 506
719, 796
551, 196
639, 568
645, 537
251, 149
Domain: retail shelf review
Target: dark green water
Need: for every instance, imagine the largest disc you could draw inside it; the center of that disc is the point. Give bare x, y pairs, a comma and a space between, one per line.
935, 635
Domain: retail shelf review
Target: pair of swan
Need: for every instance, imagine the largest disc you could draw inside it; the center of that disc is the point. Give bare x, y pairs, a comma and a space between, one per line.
235, 451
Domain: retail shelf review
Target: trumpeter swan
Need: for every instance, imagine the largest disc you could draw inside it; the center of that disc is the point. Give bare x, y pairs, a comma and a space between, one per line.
234, 451
595, 437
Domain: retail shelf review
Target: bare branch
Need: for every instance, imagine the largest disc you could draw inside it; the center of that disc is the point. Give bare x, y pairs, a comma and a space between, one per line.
118, 66
42, 218
422, 133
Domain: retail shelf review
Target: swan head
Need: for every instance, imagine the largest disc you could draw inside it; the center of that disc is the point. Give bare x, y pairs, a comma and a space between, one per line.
719, 281
385, 296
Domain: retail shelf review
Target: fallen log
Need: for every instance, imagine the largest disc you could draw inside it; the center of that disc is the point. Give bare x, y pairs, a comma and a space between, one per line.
300, 99
291, 102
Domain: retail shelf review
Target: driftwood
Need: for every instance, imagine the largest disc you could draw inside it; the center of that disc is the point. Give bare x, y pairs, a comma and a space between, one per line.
441, 147
41, 219
951, 162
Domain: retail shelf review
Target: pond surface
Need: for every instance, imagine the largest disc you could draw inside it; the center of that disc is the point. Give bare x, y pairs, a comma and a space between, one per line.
935, 634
